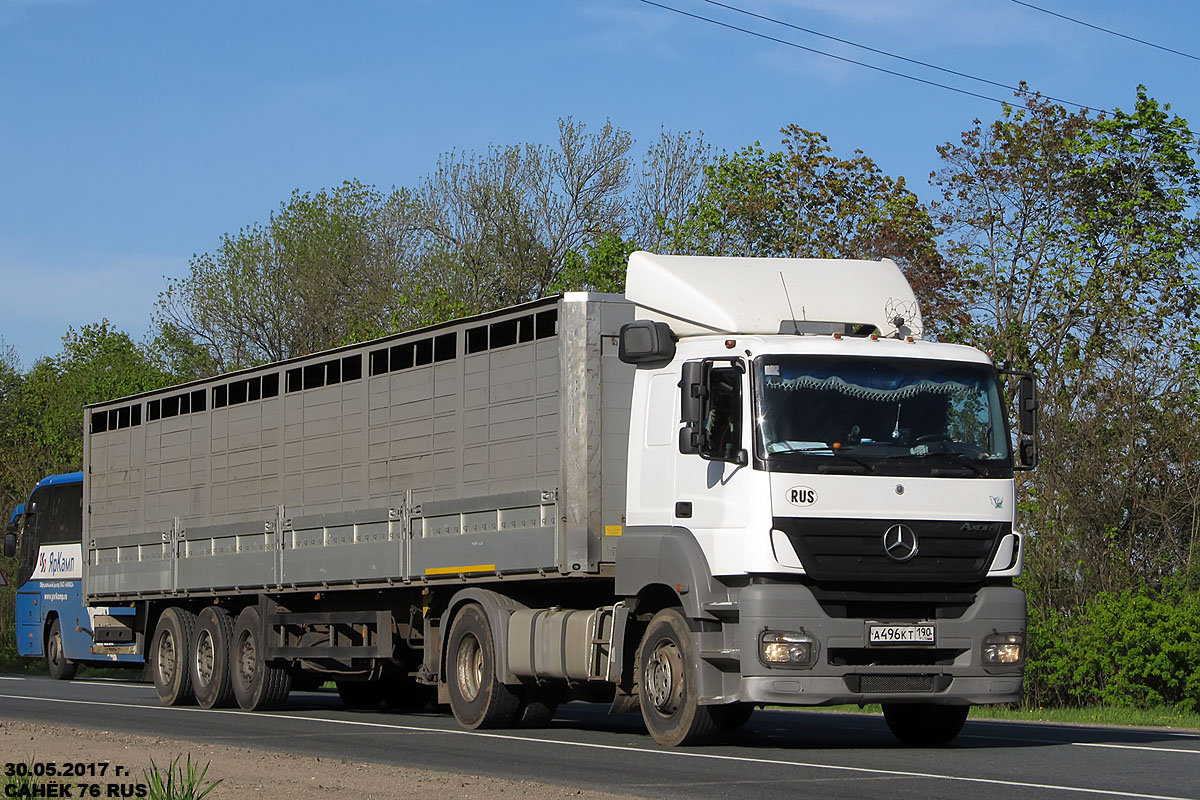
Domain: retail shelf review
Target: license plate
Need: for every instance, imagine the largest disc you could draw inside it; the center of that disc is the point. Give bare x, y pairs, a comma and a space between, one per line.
900, 634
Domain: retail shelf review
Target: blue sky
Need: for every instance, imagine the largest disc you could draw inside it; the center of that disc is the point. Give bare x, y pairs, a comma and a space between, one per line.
135, 133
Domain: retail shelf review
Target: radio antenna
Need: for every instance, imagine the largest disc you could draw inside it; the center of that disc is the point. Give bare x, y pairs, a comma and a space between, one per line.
792, 311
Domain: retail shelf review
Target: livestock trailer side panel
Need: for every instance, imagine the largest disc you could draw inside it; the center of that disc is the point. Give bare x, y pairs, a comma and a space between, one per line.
488, 446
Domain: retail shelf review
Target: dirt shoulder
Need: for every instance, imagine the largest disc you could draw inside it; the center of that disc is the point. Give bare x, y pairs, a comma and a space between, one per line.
262, 774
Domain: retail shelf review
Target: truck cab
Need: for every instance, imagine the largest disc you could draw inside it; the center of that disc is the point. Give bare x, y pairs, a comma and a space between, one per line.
837, 493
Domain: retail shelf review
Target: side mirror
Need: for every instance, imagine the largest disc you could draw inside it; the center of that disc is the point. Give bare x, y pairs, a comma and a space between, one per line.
691, 405
643, 341
10, 544
1028, 405
1027, 454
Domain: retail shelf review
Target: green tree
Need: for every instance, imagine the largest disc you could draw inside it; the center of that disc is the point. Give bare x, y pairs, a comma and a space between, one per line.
1077, 239
804, 202
498, 228
326, 269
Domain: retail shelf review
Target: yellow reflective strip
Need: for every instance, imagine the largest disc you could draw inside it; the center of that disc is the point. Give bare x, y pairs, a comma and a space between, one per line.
612, 530
457, 570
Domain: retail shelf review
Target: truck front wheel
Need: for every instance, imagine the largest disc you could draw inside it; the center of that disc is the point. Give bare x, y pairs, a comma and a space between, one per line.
61, 667
256, 684
924, 724
210, 658
667, 690
477, 698
169, 656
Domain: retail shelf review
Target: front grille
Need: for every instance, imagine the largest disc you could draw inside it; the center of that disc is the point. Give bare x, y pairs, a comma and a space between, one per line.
892, 684
852, 549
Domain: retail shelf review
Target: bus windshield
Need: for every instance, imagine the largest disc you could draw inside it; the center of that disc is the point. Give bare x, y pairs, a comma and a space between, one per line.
884, 416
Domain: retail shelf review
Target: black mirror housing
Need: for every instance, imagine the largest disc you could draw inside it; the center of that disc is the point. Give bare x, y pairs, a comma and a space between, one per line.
691, 392
644, 342
1028, 405
10, 544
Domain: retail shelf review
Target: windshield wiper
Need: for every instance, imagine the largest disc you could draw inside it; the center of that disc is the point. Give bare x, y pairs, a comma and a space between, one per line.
958, 458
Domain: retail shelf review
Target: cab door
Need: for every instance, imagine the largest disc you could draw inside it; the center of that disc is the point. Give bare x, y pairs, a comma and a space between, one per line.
715, 488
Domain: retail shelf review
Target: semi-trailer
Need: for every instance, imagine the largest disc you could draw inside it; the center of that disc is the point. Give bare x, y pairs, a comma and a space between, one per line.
743, 482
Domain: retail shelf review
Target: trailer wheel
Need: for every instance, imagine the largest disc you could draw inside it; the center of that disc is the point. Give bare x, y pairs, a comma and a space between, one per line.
210, 658
667, 666
256, 684
61, 667
169, 657
924, 724
476, 697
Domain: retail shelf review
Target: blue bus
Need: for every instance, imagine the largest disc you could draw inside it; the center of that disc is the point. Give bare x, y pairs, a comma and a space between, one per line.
46, 535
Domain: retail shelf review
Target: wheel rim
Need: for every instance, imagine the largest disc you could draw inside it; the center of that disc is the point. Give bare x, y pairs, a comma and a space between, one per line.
246, 659
469, 667
664, 677
205, 657
166, 658
55, 654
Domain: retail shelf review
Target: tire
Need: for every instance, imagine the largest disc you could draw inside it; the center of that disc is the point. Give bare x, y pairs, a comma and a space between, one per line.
61, 668
537, 708
667, 691
257, 685
477, 699
734, 715
360, 695
924, 724
209, 662
170, 655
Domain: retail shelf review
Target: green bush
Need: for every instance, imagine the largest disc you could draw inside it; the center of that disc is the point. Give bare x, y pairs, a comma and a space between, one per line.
1136, 648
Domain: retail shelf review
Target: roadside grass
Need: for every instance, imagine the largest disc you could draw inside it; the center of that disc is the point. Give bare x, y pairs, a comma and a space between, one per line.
17, 785
1097, 715
174, 782
178, 781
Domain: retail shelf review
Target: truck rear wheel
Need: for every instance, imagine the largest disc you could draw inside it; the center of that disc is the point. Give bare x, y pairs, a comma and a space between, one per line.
61, 668
476, 697
169, 657
210, 658
667, 691
256, 684
924, 724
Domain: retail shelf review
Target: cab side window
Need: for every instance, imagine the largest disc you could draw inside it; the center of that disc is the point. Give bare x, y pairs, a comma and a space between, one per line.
721, 432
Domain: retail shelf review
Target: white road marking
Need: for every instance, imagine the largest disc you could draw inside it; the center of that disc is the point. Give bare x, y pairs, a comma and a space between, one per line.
627, 749
1114, 746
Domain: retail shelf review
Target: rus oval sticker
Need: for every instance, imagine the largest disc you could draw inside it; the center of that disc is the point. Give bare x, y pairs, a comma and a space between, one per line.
801, 496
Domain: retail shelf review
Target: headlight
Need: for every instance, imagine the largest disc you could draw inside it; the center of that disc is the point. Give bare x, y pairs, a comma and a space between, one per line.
787, 648
1004, 648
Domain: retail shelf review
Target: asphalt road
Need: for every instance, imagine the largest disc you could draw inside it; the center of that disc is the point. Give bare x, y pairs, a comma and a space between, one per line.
778, 753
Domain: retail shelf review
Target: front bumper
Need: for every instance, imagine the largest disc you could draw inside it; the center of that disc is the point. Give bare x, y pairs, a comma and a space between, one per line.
847, 670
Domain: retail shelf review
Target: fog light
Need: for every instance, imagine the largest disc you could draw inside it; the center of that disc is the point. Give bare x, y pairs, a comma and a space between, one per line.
791, 648
1004, 648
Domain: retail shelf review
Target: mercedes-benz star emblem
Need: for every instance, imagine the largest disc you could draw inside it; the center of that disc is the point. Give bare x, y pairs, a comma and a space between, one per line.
900, 542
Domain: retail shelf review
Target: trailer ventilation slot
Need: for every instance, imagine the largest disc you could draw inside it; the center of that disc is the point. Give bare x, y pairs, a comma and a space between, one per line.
507, 332
259, 387
324, 373
114, 419
418, 353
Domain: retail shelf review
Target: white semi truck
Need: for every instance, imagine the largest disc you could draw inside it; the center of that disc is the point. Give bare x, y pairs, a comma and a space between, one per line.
744, 482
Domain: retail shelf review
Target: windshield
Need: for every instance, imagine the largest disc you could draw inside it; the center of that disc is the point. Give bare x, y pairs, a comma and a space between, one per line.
885, 416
